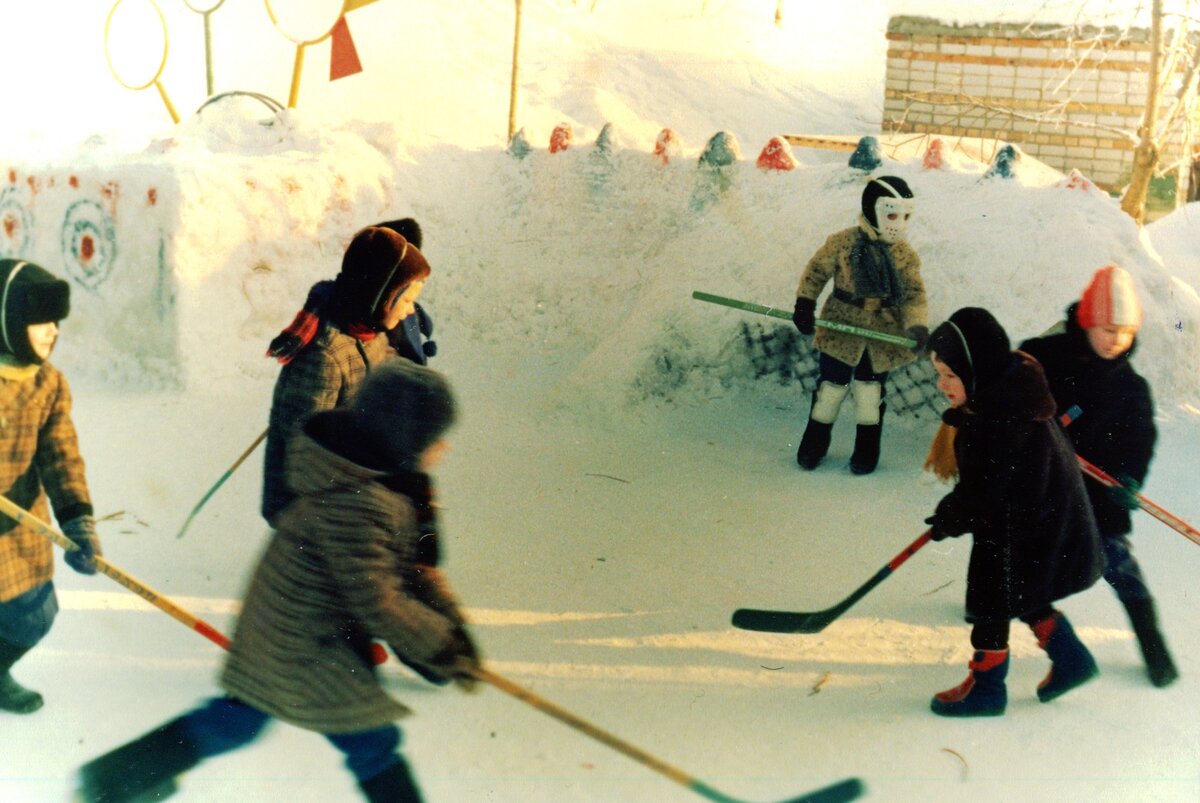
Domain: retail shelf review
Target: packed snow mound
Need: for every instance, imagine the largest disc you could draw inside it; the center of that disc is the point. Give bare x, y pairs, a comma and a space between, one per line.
595, 258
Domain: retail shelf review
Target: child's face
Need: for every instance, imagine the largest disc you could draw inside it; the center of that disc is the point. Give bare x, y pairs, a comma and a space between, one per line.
1110, 342
432, 456
42, 337
949, 383
402, 307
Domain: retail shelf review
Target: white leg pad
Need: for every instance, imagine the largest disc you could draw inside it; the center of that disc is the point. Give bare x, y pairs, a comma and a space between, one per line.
867, 396
828, 402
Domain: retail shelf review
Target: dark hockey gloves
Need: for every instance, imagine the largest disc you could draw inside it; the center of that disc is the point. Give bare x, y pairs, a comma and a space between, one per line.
82, 531
919, 334
1126, 493
804, 315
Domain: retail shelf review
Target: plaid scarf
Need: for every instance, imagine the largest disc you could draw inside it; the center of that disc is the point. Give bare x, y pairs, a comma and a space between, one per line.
304, 327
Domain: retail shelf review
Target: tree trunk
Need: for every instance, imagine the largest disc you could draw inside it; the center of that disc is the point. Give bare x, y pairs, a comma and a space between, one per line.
1145, 155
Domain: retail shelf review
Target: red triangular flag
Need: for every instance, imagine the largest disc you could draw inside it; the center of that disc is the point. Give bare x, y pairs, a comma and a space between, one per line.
343, 58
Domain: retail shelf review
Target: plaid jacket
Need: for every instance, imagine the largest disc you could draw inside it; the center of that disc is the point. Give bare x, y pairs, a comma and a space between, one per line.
321, 377
41, 458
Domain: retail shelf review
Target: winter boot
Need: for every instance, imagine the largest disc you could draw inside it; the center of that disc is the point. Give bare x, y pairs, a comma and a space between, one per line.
142, 770
393, 785
1159, 665
13, 696
827, 400
982, 694
869, 410
1071, 663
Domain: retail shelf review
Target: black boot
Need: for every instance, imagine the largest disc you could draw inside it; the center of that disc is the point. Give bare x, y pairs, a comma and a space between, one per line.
1159, 665
814, 444
13, 696
142, 770
866, 446
393, 785
826, 401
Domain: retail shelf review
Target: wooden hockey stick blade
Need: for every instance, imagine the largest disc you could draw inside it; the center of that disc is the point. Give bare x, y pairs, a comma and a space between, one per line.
848, 789
816, 621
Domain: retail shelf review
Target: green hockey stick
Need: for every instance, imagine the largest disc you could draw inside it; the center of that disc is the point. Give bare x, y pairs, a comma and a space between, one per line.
775, 312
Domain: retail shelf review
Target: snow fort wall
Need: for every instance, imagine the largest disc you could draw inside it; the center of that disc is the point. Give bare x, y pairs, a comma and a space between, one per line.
187, 258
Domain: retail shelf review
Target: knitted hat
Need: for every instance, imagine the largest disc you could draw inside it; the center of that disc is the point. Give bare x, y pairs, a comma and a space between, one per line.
399, 411
883, 186
1109, 300
377, 266
973, 345
28, 295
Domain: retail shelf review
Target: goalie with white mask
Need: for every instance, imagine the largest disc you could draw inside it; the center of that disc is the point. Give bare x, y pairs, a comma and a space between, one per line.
877, 285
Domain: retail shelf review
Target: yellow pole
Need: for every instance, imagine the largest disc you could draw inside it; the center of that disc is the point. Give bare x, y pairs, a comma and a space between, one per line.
516, 58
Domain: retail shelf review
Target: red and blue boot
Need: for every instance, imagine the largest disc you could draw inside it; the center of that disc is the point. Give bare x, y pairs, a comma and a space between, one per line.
1071, 663
982, 694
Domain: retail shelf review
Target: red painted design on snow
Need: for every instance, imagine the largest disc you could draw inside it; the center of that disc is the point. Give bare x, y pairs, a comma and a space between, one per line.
74, 181
934, 158
12, 176
34, 184
777, 155
87, 249
667, 145
110, 191
152, 196
291, 186
561, 138
251, 184
10, 227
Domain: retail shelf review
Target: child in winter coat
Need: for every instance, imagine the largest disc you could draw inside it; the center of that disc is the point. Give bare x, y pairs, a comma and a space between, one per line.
1021, 495
338, 337
876, 285
354, 558
42, 459
1087, 366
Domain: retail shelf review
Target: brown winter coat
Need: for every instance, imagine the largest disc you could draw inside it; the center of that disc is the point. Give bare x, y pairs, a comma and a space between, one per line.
321, 377
40, 453
832, 261
338, 572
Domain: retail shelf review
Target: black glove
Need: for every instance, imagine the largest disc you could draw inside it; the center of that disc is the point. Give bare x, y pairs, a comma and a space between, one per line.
937, 531
1125, 493
458, 660
805, 315
82, 531
919, 334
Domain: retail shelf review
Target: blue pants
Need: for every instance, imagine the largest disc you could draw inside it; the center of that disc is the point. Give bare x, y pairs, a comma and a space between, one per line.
840, 373
224, 724
1123, 572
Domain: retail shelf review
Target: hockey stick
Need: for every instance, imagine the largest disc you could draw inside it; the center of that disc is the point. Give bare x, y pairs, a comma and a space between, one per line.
849, 789
1104, 478
228, 473
22, 516
816, 621
1169, 519
775, 312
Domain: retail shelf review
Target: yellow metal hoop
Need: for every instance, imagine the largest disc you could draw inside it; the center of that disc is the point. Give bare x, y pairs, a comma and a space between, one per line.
298, 63
162, 63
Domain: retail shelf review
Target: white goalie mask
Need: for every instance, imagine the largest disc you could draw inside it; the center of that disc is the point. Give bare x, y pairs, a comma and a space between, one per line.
892, 213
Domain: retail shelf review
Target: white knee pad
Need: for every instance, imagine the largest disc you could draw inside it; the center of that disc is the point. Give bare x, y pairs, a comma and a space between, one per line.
867, 396
827, 402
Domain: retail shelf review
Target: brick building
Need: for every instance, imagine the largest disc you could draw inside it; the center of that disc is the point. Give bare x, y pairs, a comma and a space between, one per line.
1071, 97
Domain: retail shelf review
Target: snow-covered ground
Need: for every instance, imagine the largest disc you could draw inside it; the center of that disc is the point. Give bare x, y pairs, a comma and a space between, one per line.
620, 482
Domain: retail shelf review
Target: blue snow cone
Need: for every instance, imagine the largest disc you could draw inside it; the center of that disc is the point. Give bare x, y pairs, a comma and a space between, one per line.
518, 146
1004, 165
867, 155
722, 150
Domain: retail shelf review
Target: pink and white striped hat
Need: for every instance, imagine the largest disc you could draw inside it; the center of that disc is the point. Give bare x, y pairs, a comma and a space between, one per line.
1109, 300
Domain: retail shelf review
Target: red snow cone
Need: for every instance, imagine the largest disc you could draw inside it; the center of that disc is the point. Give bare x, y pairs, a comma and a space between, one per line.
667, 145
1076, 181
934, 158
561, 137
777, 155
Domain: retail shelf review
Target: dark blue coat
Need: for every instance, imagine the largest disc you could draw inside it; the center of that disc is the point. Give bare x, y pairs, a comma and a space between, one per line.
1115, 429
